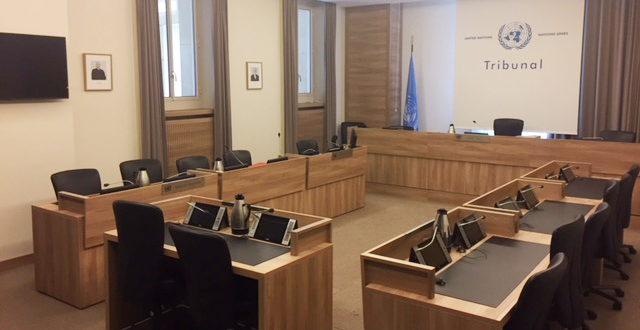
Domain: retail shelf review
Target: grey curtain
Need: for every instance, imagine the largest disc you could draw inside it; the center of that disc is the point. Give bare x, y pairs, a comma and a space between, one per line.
330, 67
222, 111
154, 131
611, 71
290, 22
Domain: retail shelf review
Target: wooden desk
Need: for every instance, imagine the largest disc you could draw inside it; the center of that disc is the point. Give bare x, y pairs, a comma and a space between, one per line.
67, 237
295, 289
437, 166
398, 294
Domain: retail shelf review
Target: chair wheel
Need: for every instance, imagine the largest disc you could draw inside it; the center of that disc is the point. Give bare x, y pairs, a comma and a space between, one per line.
624, 276
632, 250
617, 306
591, 315
619, 293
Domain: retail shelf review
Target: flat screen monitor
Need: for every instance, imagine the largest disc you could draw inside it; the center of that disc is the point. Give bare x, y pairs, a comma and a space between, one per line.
271, 228
508, 204
207, 216
567, 174
528, 197
431, 252
33, 67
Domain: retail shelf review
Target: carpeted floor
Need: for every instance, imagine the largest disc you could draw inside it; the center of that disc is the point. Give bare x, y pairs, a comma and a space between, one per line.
384, 217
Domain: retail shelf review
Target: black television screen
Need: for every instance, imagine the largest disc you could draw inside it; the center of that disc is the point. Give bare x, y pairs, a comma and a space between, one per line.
33, 67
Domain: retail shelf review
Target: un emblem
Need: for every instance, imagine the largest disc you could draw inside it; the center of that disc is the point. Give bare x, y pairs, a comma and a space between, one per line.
515, 35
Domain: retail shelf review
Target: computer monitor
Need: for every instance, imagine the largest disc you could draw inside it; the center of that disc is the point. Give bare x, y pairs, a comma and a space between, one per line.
528, 197
566, 173
431, 252
272, 228
508, 204
207, 216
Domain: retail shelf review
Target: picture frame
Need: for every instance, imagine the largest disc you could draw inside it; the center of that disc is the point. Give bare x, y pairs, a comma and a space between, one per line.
97, 72
254, 75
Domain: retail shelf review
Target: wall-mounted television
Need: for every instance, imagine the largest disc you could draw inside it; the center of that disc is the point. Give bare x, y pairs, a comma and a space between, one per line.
33, 67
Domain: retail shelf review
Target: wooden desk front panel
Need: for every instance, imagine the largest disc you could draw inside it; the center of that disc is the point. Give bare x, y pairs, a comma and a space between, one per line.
262, 183
322, 169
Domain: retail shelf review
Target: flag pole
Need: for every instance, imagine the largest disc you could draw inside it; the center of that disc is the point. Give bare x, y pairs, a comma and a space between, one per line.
412, 43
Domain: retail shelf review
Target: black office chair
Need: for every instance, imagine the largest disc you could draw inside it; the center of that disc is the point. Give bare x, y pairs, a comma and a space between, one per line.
508, 127
611, 241
82, 181
308, 147
191, 163
532, 310
618, 136
210, 283
236, 157
625, 213
568, 307
590, 245
129, 170
344, 129
143, 277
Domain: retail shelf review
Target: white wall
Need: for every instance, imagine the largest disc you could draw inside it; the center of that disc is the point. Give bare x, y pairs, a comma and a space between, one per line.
433, 24
90, 129
255, 35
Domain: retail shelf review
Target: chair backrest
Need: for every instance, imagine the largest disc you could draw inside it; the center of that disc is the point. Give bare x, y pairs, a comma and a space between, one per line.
508, 126
628, 195
308, 147
140, 250
191, 163
344, 129
84, 181
129, 169
532, 310
618, 136
568, 308
624, 203
591, 240
608, 240
236, 157
206, 262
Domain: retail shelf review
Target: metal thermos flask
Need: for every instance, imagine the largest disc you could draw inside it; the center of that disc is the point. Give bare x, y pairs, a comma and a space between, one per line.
442, 221
452, 129
217, 165
240, 216
142, 179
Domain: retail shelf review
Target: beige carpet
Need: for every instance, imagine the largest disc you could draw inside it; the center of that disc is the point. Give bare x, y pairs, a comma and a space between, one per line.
384, 217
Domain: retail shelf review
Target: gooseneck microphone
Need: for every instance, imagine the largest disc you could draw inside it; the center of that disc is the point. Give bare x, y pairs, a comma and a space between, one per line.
235, 156
192, 204
484, 128
112, 183
177, 175
532, 188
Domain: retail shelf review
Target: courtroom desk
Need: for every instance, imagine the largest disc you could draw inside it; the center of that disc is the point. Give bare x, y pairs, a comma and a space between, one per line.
584, 186
68, 243
322, 185
399, 294
439, 166
294, 289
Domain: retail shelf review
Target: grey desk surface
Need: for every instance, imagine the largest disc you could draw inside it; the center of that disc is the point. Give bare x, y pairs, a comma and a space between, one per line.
487, 277
549, 215
590, 188
243, 250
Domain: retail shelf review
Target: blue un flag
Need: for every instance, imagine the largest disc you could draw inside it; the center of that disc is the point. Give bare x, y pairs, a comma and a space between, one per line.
411, 105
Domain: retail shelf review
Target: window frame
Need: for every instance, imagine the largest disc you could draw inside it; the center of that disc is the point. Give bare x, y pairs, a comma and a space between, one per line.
311, 93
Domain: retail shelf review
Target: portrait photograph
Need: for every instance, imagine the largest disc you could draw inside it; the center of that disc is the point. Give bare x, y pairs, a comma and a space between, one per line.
97, 72
254, 75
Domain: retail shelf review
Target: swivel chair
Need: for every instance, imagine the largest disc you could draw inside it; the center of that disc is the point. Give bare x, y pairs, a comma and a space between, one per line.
81, 181
625, 210
344, 129
236, 158
308, 147
191, 163
618, 136
129, 169
508, 127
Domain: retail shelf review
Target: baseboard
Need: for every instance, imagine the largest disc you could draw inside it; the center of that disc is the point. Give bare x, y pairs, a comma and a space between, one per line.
16, 262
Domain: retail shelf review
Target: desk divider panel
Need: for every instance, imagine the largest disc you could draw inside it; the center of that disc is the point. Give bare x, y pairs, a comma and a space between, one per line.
554, 166
544, 190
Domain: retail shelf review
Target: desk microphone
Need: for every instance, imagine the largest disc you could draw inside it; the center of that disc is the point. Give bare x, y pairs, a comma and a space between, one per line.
531, 188
177, 175
510, 201
484, 128
234, 156
112, 183
472, 221
192, 204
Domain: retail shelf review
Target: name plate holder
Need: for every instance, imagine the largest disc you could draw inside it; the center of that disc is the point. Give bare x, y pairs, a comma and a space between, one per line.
182, 185
478, 138
341, 154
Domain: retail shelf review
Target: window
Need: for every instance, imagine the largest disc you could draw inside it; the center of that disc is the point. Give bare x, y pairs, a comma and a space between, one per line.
304, 51
178, 48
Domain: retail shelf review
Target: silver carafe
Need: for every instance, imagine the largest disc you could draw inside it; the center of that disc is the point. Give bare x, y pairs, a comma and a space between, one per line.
240, 216
142, 179
442, 223
452, 129
217, 165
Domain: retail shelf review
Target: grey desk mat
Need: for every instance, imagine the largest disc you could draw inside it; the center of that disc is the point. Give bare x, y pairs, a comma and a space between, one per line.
590, 188
549, 215
488, 281
247, 251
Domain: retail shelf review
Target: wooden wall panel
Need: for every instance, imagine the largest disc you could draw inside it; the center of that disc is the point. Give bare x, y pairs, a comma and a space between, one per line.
311, 126
397, 170
372, 64
189, 137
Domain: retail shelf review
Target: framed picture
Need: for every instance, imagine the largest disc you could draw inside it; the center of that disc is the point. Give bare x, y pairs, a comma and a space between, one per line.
254, 75
97, 72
